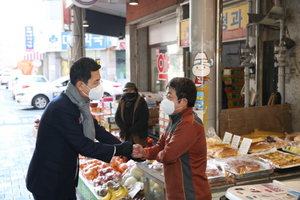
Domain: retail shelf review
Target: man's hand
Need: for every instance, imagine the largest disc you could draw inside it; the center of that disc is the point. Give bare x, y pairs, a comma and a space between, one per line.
138, 151
124, 149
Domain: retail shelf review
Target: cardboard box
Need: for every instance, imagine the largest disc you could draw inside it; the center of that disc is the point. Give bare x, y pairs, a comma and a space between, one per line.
243, 121
231, 80
233, 95
110, 127
153, 112
233, 71
152, 121
109, 119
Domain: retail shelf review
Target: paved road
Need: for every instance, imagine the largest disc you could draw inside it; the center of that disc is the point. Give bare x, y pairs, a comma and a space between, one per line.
16, 146
17, 143
13, 114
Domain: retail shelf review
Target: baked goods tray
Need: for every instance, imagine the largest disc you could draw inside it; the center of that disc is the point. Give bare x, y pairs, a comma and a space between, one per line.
216, 179
245, 166
252, 174
281, 160
294, 149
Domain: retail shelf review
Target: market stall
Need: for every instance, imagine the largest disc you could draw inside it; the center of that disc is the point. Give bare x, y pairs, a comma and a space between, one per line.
234, 160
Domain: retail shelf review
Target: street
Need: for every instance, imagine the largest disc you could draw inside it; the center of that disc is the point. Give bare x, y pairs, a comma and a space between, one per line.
16, 146
17, 143
13, 114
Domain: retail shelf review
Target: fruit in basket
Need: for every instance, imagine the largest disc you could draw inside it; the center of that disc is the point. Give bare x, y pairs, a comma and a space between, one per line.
136, 172
113, 195
108, 195
121, 192
130, 181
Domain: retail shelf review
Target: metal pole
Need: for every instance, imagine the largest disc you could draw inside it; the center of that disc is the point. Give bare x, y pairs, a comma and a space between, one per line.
219, 11
257, 42
280, 55
83, 31
77, 33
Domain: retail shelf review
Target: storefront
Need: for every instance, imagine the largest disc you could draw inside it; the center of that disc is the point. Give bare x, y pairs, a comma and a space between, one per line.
166, 63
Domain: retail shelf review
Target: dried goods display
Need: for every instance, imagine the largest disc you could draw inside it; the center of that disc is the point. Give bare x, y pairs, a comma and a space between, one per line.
214, 172
281, 160
259, 147
292, 149
221, 151
245, 166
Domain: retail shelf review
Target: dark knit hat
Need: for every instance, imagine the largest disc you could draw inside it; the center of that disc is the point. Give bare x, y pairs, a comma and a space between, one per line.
130, 86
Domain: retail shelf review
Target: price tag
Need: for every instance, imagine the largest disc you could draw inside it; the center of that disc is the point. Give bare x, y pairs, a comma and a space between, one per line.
227, 138
244, 148
235, 141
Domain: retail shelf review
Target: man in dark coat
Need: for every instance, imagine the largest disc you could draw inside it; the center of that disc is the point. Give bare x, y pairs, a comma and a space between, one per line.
66, 130
132, 116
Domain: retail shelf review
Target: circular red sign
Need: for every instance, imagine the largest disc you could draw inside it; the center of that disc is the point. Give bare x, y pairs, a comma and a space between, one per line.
160, 63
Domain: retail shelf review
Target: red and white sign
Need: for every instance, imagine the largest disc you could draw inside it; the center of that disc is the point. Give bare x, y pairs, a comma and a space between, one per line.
163, 66
33, 56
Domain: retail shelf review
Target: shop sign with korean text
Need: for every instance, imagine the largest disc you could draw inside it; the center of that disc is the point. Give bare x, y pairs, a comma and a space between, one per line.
234, 22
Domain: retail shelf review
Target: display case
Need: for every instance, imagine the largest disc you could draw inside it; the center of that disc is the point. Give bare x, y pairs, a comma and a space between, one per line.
153, 182
156, 176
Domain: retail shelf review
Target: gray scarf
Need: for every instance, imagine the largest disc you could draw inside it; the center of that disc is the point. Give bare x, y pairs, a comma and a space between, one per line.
84, 107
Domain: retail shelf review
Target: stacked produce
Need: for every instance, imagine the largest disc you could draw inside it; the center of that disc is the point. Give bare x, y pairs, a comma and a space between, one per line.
112, 180
106, 177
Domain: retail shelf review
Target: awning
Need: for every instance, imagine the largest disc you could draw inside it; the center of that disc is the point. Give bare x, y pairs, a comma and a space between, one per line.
31, 56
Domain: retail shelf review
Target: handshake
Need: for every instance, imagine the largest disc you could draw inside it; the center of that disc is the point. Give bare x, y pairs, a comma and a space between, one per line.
130, 151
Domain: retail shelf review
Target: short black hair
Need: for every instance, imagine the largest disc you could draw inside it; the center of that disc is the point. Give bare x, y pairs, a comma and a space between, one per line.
185, 88
82, 68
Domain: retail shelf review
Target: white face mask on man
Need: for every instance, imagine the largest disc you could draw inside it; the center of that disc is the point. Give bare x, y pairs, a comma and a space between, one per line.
168, 106
95, 93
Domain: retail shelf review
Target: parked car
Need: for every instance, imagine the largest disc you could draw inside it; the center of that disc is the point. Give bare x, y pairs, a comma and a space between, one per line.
36, 90
4, 78
111, 88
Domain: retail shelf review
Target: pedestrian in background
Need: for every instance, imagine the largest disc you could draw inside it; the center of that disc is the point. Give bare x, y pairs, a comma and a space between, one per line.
182, 148
66, 130
132, 116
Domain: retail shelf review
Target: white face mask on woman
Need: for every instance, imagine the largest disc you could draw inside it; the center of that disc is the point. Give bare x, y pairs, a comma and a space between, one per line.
95, 93
168, 106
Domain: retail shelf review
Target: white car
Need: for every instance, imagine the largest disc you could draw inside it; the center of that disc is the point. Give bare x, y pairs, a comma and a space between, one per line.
4, 78
36, 90
111, 88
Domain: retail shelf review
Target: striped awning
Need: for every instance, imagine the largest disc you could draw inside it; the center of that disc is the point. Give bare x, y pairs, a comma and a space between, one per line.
31, 56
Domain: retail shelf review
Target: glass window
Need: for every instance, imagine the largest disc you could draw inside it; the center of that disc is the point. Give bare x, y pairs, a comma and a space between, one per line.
39, 79
166, 64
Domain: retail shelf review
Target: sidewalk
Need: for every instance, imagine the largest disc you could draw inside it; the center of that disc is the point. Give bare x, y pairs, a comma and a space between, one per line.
16, 147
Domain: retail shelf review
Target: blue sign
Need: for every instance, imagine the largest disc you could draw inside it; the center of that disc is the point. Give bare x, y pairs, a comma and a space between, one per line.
65, 40
95, 41
92, 41
29, 38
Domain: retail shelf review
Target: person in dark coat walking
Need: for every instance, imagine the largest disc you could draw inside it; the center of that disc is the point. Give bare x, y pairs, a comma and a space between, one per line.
132, 116
66, 130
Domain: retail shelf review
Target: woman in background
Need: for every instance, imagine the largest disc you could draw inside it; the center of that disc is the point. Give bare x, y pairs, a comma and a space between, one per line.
132, 116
